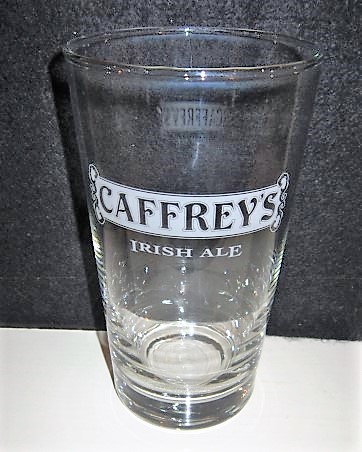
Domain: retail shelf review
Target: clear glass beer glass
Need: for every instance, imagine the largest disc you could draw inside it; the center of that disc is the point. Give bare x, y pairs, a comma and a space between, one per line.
191, 140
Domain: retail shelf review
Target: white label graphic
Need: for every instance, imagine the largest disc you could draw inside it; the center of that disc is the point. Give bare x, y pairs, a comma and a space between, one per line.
188, 216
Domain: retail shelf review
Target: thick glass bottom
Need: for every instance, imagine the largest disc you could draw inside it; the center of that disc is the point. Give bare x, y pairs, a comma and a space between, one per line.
184, 412
184, 374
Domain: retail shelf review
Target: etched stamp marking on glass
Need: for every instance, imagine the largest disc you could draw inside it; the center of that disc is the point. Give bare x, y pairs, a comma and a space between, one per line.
192, 116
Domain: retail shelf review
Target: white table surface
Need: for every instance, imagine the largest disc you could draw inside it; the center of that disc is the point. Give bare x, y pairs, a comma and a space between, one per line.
56, 394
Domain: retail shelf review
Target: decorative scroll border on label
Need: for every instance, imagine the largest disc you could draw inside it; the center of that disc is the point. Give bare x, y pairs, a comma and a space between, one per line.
188, 216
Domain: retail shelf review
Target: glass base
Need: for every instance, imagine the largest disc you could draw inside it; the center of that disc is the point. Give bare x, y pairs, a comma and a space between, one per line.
184, 375
184, 412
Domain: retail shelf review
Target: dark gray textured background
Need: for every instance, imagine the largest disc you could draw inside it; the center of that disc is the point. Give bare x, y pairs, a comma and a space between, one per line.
47, 275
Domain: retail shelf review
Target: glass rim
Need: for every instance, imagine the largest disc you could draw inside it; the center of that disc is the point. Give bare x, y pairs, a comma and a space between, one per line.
72, 53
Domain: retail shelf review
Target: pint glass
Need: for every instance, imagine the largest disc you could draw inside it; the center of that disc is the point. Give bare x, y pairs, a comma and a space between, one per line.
191, 141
